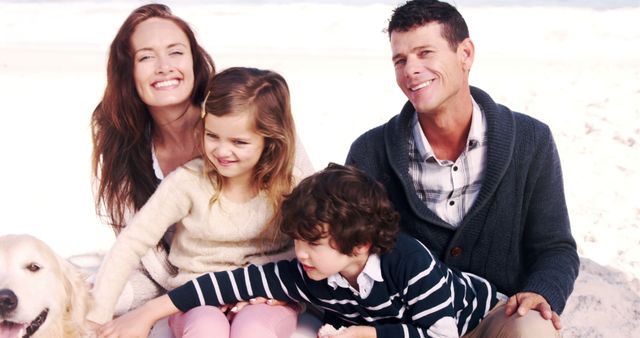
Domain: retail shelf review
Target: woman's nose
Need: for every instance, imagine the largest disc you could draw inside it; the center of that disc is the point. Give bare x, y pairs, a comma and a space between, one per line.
163, 65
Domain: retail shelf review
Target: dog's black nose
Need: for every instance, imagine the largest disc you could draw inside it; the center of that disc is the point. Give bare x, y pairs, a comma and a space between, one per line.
8, 301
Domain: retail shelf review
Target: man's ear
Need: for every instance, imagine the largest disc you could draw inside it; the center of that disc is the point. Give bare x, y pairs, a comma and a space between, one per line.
466, 53
362, 249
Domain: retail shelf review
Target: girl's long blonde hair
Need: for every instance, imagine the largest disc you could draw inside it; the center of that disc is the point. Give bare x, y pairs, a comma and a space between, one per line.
265, 95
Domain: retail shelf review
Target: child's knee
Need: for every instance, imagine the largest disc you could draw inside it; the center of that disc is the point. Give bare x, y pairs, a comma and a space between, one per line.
264, 321
200, 322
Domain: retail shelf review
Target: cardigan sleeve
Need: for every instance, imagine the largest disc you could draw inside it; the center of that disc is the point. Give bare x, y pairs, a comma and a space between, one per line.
168, 205
549, 246
439, 301
281, 280
428, 296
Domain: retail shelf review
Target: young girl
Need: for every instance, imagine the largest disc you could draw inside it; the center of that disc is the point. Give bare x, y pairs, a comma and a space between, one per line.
223, 206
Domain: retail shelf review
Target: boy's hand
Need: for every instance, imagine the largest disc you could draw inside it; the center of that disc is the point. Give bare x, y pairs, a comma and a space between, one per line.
355, 332
231, 311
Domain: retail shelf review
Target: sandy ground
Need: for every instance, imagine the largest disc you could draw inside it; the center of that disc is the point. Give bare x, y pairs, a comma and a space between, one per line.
575, 69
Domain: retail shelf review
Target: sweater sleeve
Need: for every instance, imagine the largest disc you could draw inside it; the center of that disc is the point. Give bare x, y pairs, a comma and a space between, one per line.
281, 280
424, 285
439, 301
168, 205
551, 250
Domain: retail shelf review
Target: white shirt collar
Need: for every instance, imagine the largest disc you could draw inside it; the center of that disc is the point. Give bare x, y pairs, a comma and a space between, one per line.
156, 164
476, 132
370, 274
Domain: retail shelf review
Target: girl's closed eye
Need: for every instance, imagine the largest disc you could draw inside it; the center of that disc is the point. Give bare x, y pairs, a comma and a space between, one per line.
240, 142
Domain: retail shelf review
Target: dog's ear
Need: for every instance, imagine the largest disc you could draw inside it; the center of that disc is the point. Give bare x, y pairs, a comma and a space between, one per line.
78, 298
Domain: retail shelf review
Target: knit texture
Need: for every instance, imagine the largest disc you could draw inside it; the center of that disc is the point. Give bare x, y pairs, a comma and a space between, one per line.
418, 297
517, 233
225, 235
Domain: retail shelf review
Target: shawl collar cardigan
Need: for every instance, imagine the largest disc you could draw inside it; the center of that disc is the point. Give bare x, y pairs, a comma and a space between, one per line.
517, 233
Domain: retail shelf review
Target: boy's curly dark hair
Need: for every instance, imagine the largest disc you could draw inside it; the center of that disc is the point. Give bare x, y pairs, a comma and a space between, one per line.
354, 207
416, 13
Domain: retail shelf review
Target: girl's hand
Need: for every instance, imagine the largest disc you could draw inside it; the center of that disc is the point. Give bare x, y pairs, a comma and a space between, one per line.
133, 324
138, 323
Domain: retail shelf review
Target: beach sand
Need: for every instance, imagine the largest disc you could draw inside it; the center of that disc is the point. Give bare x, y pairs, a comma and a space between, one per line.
576, 69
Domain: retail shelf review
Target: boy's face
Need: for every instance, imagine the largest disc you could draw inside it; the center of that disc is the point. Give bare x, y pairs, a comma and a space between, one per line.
321, 260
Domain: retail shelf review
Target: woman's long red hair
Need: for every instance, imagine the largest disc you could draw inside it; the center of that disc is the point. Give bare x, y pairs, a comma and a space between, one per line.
122, 126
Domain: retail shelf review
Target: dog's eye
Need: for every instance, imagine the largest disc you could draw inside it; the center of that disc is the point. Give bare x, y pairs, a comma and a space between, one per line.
33, 267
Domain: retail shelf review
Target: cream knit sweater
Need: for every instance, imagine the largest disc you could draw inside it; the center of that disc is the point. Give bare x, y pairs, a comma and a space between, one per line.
224, 236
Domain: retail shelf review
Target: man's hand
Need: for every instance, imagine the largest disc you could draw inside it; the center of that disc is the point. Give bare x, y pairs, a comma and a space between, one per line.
522, 302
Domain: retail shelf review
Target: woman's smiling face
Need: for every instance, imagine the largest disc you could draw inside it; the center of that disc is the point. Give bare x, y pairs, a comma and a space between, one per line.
162, 63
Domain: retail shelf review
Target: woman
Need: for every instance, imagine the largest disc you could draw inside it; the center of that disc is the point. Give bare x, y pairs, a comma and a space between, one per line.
144, 127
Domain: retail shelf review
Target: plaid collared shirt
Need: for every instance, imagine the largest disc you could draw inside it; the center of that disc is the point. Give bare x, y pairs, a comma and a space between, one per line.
449, 188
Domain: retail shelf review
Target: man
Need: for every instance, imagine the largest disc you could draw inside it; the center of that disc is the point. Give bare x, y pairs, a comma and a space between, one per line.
479, 184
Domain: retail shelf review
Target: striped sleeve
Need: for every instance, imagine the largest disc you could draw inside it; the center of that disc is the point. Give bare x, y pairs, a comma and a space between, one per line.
439, 301
281, 280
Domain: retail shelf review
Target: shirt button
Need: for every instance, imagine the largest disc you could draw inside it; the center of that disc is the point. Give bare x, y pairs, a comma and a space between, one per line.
456, 251
452, 202
455, 168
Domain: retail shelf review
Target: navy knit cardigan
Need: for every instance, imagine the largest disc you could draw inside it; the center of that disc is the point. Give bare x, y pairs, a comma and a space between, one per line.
517, 233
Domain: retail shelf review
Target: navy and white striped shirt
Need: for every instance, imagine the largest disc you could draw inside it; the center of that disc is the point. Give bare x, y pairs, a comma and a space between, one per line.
419, 296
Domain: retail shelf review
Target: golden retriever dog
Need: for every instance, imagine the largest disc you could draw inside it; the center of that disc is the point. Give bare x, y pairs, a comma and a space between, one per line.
41, 294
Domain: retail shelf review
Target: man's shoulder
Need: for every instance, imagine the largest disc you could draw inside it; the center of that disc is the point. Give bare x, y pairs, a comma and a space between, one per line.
372, 135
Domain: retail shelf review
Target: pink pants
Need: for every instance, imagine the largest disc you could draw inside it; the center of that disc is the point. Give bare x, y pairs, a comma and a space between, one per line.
252, 321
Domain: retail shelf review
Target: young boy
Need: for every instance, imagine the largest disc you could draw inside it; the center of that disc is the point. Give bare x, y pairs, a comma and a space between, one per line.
350, 262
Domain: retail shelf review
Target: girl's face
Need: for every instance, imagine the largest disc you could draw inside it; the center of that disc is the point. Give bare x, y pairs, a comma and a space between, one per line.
232, 145
163, 64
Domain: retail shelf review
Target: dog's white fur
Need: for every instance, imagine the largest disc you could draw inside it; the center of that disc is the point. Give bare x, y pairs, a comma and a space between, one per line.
55, 285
